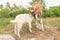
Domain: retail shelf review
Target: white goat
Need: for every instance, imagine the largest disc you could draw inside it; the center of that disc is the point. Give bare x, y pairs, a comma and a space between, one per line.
20, 20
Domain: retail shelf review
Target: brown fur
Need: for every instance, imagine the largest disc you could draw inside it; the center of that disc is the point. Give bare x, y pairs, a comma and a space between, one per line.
37, 7
35, 11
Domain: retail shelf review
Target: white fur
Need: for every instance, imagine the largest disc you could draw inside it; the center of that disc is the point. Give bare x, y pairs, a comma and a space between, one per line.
20, 20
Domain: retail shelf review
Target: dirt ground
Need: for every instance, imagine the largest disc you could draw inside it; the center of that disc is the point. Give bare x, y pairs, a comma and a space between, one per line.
49, 33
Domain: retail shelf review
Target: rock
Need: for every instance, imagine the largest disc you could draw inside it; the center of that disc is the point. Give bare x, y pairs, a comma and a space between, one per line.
6, 37
32, 39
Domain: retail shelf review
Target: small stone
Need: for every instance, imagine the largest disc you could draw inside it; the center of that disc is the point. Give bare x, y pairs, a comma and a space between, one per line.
6, 37
32, 39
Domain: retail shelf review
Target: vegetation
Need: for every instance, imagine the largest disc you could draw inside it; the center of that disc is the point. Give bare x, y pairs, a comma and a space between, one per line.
52, 21
9, 11
52, 12
4, 22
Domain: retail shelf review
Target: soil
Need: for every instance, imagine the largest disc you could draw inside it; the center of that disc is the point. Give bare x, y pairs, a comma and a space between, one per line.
49, 33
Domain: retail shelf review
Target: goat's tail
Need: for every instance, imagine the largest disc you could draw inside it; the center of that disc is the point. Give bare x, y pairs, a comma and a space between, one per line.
12, 21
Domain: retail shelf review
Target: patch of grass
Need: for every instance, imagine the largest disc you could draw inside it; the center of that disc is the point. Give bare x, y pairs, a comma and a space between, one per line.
4, 22
54, 22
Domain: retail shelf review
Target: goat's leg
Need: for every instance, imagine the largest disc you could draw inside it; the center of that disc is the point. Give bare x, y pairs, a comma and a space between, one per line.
15, 29
18, 30
41, 21
36, 18
30, 26
18, 33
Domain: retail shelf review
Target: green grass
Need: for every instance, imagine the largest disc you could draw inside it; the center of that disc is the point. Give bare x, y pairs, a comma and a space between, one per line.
4, 22
54, 22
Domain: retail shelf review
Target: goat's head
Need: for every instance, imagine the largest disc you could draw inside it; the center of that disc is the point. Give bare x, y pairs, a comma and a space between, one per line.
33, 10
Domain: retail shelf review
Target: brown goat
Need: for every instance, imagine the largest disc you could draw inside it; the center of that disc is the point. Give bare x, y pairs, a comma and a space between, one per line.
36, 10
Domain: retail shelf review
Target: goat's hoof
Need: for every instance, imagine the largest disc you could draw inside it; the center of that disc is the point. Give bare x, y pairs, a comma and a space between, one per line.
30, 31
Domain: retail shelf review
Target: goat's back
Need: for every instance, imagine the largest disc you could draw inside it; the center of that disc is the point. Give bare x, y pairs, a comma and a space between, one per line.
23, 18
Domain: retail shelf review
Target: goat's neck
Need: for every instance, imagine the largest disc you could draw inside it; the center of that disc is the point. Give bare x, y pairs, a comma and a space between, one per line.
31, 15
